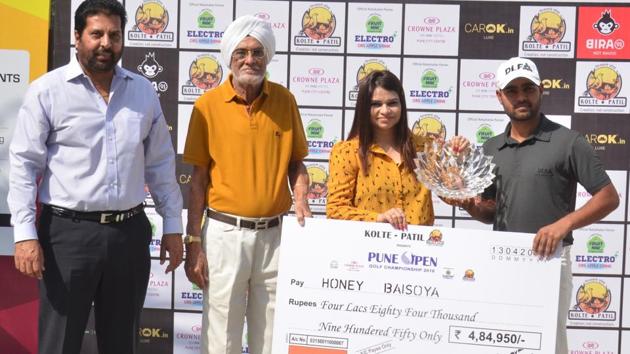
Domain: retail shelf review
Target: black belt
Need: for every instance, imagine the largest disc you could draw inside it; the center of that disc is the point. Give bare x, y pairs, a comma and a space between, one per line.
248, 224
102, 217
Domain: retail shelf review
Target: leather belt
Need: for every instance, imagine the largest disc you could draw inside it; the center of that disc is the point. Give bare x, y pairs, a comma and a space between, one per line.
263, 223
102, 217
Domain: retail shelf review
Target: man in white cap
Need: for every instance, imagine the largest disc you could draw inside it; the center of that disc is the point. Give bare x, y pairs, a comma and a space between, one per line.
246, 143
538, 165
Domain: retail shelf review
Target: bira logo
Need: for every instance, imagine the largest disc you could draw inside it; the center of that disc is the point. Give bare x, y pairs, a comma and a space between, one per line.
429, 125
204, 73
592, 301
374, 39
429, 81
318, 26
603, 85
366, 68
606, 25
151, 23
150, 68
204, 35
547, 30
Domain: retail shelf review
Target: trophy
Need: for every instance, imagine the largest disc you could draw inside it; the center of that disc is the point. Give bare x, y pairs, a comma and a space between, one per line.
455, 175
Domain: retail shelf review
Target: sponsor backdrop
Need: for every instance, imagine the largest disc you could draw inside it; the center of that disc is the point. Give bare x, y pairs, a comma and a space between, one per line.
23, 56
446, 54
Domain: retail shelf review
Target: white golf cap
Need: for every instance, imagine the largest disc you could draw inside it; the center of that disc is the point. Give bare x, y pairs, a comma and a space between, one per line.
514, 68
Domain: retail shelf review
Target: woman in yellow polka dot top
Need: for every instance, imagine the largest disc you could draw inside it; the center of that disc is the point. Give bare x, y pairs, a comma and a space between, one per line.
371, 173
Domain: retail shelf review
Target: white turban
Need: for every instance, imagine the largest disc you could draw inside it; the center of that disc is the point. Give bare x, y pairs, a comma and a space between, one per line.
242, 27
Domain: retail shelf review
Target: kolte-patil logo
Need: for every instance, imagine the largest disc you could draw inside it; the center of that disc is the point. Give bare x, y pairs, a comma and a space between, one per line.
150, 68
547, 29
317, 189
488, 30
592, 301
430, 94
318, 25
603, 84
151, 23
204, 73
406, 261
205, 35
365, 69
484, 133
595, 259
429, 125
374, 26
435, 238
315, 136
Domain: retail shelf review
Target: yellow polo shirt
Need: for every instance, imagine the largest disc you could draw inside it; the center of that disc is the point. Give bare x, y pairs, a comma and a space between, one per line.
248, 154
353, 196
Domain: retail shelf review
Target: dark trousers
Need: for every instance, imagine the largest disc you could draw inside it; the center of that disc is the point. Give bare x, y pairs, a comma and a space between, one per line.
87, 262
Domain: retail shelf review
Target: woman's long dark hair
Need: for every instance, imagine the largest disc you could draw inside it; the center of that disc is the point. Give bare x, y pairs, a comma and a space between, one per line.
362, 124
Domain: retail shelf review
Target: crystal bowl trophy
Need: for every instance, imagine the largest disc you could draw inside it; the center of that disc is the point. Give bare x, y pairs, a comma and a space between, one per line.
455, 175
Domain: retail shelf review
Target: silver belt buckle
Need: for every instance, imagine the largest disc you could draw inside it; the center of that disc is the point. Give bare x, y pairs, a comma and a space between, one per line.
104, 217
262, 224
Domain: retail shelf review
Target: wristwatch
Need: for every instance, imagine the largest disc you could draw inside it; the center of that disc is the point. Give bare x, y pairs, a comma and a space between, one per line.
188, 239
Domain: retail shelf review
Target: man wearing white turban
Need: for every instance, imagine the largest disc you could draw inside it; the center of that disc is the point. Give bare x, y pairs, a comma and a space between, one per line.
245, 141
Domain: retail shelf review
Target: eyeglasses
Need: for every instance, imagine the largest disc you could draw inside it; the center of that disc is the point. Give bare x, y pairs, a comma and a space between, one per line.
241, 54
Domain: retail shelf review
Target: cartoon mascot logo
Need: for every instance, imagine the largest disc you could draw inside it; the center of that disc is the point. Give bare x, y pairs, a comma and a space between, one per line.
318, 176
151, 17
593, 297
548, 27
603, 83
318, 22
429, 125
205, 72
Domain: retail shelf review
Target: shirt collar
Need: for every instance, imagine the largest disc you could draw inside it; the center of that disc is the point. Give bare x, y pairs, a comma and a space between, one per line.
228, 93
542, 133
74, 70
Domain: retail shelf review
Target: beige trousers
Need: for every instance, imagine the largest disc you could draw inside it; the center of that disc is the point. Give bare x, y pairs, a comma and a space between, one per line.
242, 271
566, 289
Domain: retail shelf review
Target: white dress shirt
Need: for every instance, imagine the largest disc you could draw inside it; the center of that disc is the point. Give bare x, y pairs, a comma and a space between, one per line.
89, 155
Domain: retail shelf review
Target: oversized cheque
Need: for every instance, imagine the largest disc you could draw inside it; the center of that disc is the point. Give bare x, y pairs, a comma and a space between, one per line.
356, 287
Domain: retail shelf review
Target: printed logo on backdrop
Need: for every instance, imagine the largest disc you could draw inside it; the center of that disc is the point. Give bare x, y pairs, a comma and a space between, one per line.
192, 297
601, 141
435, 32
592, 299
318, 26
488, 31
405, 261
430, 94
204, 73
366, 68
375, 38
431, 125
547, 30
595, 257
151, 21
206, 34
265, 16
317, 144
602, 32
483, 134
603, 86
150, 68
436, 238
317, 189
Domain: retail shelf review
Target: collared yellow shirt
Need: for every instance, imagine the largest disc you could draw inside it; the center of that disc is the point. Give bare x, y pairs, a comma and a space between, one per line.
353, 196
248, 152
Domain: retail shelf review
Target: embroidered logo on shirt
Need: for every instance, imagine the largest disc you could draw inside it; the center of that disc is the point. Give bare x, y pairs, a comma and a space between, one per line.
544, 172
